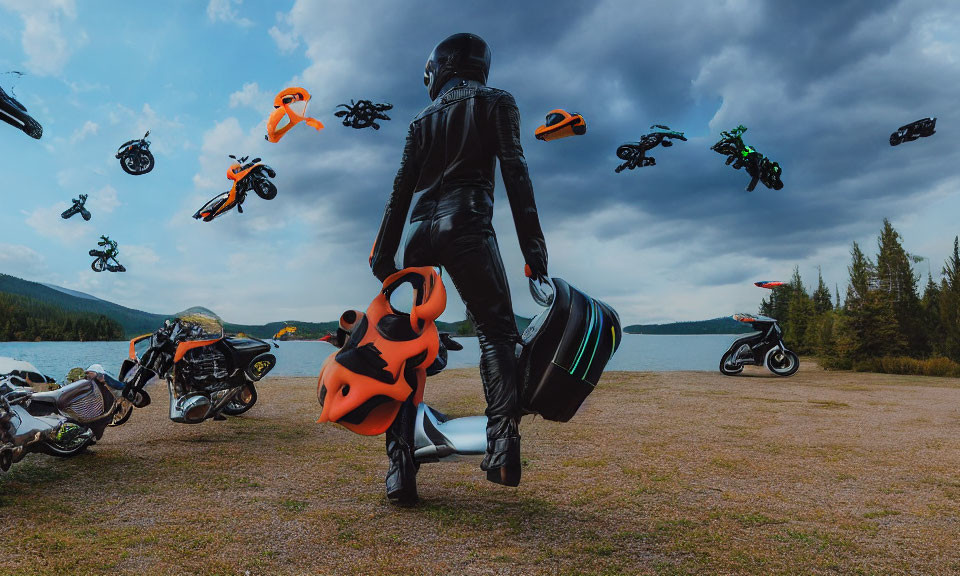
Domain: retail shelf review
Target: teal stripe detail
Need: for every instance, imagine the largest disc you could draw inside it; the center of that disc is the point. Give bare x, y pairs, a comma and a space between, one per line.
583, 343
595, 342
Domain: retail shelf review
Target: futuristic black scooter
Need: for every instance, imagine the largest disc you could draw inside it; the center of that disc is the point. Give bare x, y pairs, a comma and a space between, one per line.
15, 114
762, 348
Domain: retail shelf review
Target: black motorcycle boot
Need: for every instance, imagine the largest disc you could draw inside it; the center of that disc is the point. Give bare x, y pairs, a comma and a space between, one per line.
401, 480
502, 461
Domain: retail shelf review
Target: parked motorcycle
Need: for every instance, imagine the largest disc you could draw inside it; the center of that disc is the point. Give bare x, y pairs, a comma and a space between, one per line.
61, 422
135, 156
15, 114
77, 208
208, 374
762, 348
246, 176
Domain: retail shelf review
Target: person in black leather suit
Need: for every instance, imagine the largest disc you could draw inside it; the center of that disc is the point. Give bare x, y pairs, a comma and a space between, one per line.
450, 157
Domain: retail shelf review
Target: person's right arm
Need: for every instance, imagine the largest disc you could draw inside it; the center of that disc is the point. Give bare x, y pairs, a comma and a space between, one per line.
395, 213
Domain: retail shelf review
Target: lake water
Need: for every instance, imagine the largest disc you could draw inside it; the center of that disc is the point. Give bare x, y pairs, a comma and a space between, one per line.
637, 352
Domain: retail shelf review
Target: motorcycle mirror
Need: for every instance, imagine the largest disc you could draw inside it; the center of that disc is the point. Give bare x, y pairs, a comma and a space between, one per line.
232, 156
145, 135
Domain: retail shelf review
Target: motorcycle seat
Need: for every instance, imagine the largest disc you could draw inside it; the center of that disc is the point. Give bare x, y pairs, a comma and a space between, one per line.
62, 397
246, 349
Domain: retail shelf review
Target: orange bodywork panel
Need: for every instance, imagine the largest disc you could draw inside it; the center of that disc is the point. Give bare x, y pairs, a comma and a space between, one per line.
570, 125
385, 369
281, 104
184, 347
133, 344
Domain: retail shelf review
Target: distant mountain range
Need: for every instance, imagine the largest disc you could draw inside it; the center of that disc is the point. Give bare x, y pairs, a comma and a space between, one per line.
723, 325
136, 322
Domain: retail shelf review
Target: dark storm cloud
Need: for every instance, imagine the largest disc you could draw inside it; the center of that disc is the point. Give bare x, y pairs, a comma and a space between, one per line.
820, 86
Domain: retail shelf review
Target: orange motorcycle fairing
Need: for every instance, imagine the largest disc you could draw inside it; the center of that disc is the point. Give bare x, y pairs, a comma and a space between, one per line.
184, 347
133, 344
282, 108
384, 361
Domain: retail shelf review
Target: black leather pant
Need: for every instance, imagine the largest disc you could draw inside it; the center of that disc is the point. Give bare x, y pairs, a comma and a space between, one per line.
460, 238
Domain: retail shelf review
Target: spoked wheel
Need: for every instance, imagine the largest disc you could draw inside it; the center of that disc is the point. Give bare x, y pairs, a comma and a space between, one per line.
99, 265
146, 162
729, 368
130, 163
71, 440
782, 362
243, 401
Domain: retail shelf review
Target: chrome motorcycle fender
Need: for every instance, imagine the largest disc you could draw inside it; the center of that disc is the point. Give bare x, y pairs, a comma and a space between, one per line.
28, 428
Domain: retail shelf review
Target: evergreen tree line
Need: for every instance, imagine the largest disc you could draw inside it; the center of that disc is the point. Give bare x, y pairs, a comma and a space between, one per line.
27, 319
884, 324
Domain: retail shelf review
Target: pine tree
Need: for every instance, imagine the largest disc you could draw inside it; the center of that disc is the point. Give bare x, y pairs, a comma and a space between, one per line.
821, 296
799, 311
930, 304
950, 305
898, 284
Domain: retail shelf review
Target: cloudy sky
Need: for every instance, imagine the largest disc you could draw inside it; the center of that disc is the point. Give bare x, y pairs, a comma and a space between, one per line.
819, 85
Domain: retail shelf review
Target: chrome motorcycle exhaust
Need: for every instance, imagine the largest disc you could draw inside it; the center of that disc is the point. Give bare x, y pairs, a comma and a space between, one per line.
438, 437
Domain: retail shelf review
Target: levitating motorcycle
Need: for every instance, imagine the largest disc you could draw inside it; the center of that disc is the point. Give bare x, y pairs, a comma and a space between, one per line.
208, 374
759, 167
15, 114
62, 422
135, 156
246, 176
634, 153
77, 208
762, 348
105, 256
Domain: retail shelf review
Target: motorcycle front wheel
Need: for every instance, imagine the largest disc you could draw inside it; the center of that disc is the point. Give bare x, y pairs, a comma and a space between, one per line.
265, 189
732, 369
98, 265
243, 401
783, 362
146, 162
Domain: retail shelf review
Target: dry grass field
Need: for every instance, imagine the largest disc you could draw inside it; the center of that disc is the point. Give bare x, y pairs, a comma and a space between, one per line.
660, 473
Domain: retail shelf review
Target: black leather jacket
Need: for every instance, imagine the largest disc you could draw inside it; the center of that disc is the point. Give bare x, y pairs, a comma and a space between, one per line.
451, 149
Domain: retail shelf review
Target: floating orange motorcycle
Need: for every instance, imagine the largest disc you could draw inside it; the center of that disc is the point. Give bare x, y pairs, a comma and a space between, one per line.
246, 176
561, 124
283, 108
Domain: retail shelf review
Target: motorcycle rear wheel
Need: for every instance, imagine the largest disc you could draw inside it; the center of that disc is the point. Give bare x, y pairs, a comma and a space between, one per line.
243, 401
121, 416
785, 364
68, 448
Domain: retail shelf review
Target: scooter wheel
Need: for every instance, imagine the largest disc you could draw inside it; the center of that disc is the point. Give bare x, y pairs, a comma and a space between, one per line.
732, 369
783, 363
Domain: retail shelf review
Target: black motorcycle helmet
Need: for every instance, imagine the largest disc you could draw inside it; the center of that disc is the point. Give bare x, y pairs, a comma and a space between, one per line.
462, 55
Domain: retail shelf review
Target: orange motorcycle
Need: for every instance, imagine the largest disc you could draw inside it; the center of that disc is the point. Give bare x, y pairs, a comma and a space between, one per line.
246, 176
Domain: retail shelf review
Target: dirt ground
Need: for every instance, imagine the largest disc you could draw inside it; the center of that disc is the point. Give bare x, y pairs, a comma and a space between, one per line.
659, 473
